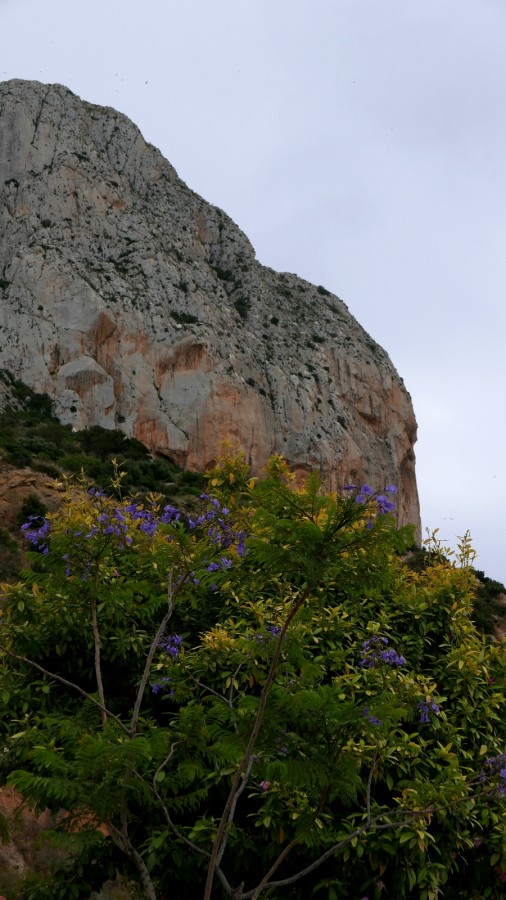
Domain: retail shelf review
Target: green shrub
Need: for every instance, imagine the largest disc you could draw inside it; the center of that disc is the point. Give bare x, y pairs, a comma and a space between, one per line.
320, 716
32, 508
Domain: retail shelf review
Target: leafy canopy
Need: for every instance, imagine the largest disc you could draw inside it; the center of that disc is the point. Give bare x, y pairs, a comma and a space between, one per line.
259, 697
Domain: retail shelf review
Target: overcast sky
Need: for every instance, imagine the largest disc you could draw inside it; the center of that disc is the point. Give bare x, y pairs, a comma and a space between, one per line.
360, 144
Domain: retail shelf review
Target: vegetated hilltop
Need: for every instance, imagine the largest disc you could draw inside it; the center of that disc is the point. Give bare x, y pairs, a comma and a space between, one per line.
37, 453
137, 305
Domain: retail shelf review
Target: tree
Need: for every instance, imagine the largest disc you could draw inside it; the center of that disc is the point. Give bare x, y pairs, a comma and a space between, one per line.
258, 698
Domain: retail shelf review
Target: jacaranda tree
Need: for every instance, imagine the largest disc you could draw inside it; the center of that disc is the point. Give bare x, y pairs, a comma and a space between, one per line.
257, 699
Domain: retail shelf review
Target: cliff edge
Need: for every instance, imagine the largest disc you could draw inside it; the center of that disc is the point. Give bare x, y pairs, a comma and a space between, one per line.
137, 305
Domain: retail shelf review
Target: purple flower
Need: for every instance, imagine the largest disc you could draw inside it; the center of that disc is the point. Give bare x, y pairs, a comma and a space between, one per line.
37, 536
366, 493
172, 645
264, 785
496, 766
426, 707
391, 658
385, 505
273, 631
373, 720
149, 528
170, 514
373, 654
96, 492
161, 686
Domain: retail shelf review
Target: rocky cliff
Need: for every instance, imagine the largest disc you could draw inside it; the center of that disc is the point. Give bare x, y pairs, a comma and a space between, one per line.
136, 304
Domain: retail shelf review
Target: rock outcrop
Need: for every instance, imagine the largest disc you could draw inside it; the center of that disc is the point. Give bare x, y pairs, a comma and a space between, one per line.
136, 304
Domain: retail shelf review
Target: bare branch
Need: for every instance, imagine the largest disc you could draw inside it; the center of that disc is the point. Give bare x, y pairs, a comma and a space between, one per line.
122, 841
232, 808
401, 817
205, 687
236, 782
164, 763
149, 659
97, 647
69, 684
249, 895
234, 676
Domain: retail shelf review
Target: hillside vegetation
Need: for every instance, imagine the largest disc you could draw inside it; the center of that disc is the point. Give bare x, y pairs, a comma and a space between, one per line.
31, 436
254, 698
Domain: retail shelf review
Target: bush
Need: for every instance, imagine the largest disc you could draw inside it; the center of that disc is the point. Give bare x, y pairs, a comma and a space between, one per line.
10, 562
104, 443
320, 718
34, 509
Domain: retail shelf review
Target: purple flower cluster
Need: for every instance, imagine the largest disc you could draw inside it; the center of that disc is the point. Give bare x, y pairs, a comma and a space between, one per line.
37, 537
96, 492
427, 707
219, 527
373, 720
161, 686
110, 525
219, 530
373, 654
270, 632
116, 524
223, 563
366, 493
148, 523
172, 645
496, 766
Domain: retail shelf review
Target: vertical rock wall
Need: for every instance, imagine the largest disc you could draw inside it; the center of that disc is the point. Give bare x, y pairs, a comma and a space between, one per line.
136, 304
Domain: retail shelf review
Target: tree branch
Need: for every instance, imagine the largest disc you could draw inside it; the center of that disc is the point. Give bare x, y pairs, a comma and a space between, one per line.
97, 661
149, 660
236, 782
231, 815
375, 824
69, 684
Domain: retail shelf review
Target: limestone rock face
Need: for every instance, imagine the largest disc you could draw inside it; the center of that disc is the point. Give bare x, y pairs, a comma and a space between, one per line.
136, 304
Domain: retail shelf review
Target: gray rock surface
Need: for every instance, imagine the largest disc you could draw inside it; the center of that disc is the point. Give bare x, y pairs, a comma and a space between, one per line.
136, 304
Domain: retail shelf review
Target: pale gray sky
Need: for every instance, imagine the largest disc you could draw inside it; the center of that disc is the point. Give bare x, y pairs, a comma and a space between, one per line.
358, 143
